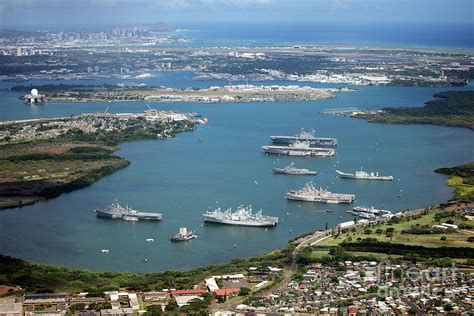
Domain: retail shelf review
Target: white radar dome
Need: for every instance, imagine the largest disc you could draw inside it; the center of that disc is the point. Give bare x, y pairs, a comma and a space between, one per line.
34, 92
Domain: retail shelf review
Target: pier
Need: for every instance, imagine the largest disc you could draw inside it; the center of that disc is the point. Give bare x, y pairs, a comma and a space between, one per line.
340, 111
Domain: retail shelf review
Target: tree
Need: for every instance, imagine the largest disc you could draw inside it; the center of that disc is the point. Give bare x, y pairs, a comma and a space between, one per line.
171, 306
244, 291
154, 310
443, 238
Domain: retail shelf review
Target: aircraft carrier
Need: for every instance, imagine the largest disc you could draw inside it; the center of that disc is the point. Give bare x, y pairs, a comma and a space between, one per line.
304, 136
299, 149
309, 193
115, 210
243, 216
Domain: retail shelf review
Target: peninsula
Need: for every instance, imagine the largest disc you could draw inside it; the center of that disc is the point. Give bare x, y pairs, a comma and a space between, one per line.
42, 158
213, 94
451, 108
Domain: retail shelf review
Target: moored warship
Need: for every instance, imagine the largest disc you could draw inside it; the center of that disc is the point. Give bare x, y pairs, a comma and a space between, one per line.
309, 193
243, 216
115, 210
304, 136
291, 169
369, 212
299, 149
363, 175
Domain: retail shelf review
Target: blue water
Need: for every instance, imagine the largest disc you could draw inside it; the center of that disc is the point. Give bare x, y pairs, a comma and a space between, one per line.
182, 177
386, 34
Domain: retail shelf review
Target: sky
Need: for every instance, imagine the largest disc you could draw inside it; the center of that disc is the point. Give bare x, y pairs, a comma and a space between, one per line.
184, 13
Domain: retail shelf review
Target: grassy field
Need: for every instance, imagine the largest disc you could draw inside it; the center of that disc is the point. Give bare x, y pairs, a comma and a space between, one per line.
453, 239
33, 171
462, 179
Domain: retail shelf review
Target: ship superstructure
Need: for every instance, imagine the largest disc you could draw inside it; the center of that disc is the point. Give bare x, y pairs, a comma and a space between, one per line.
243, 216
117, 211
304, 136
291, 169
309, 193
363, 175
299, 149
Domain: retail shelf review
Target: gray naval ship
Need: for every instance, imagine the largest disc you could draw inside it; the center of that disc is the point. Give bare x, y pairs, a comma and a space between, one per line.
309, 193
291, 169
363, 175
115, 211
304, 136
243, 216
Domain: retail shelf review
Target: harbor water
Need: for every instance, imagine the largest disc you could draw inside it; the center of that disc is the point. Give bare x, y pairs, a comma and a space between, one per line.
221, 165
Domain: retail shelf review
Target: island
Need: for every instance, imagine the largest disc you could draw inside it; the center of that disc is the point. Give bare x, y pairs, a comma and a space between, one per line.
451, 108
42, 158
140, 92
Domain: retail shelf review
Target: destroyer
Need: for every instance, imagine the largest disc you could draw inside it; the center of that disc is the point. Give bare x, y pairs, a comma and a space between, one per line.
299, 149
309, 193
364, 175
243, 216
370, 212
115, 210
304, 136
183, 235
291, 169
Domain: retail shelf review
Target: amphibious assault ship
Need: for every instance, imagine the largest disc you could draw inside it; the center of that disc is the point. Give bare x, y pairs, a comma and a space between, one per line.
291, 169
364, 175
115, 210
299, 149
304, 136
243, 216
309, 193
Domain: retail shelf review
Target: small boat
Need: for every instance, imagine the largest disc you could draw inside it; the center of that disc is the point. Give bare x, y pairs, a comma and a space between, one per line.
150, 240
183, 235
105, 250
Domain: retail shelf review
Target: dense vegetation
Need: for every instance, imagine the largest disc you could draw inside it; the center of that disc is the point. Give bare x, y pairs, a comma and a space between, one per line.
373, 245
43, 278
451, 108
462, 178
41, 169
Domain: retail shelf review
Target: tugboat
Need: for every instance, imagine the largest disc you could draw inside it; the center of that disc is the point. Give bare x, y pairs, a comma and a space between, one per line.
291, 169
183, 235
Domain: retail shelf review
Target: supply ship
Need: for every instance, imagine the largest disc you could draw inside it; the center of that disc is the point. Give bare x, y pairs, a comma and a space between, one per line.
115, 211
304, 136
243, 216
364, 175
299, 149
309, 193
183, 235
291, 169
369, 212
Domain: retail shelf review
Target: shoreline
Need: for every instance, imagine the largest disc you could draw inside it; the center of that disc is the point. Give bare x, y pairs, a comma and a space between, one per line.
44, 158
